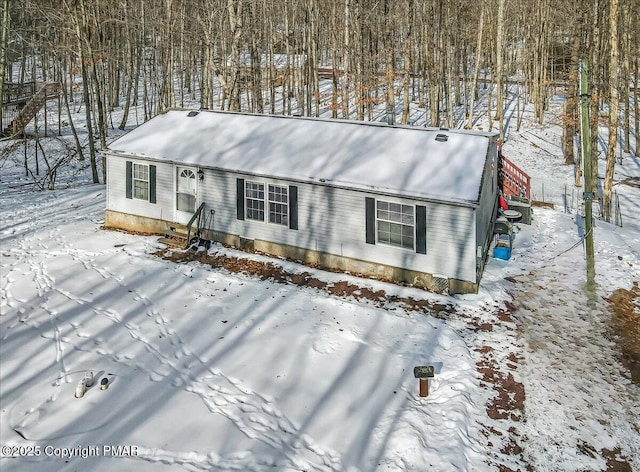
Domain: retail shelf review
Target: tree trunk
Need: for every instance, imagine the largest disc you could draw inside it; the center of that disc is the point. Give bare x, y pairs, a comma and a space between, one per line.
614, 103
345, 61
129, 90
596, 91
80, 21
570, 115
390, 71
234, 9
636, 104
87, 110
474, 85
500, 65
3, 52
407, 64
626, 74
73, 128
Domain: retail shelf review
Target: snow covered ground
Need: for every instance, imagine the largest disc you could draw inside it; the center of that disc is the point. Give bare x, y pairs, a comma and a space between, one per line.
211, 369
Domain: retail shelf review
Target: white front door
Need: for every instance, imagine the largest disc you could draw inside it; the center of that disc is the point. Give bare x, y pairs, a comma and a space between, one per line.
186, 194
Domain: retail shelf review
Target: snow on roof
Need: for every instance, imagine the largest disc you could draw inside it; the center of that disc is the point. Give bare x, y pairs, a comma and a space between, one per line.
361, 155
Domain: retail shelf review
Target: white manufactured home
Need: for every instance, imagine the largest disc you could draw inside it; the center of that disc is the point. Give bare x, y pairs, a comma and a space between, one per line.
413, 205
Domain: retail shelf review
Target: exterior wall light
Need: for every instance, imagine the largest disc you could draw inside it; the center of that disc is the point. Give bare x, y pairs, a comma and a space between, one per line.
200, 174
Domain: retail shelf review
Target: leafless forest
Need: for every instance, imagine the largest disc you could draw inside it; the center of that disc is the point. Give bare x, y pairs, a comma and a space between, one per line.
250, 55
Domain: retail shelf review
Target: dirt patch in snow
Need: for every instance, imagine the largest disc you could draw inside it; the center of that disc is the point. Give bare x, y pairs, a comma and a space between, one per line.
267, 270
615, 461
497, 371
625, 325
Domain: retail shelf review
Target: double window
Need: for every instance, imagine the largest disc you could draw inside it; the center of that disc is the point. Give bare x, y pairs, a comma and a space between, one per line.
275, 199
395, 224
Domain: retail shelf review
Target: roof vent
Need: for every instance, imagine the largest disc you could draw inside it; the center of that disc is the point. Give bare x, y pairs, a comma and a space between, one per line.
442, 137
191, 114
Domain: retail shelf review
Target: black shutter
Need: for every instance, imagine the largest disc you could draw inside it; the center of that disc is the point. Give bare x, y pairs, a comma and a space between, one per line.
240, 198
152, 184
421, 229
370, 211
293, 207
129, 180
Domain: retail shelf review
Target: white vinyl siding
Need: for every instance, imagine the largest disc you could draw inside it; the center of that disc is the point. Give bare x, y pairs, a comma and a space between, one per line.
485, 211
332, 220
141, 181
163, 209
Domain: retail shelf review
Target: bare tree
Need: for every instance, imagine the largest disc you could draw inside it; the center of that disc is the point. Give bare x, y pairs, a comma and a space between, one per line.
614, 104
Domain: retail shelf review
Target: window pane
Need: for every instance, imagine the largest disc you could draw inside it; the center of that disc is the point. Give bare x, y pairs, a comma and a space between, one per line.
186, 202
396, 207
140, 172
395, 216
407, 214
396, 239
407, 242
278, 213
140, 190
396, 230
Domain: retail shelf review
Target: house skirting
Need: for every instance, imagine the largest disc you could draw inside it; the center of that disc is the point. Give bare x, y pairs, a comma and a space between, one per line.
323, 260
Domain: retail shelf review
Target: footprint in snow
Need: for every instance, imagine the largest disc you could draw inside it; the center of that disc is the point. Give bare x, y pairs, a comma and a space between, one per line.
155, 377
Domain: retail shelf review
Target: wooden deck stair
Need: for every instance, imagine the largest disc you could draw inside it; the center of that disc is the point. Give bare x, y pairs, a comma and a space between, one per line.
182, 235
176, 236
48, 91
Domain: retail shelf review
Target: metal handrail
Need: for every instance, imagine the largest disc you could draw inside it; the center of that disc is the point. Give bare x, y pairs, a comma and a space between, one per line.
198, 215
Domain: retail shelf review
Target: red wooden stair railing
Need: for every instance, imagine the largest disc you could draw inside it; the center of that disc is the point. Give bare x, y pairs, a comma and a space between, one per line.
513, 180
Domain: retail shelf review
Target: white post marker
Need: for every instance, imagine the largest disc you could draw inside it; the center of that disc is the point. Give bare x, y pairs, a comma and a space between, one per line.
423, 373
88, 379
81, 388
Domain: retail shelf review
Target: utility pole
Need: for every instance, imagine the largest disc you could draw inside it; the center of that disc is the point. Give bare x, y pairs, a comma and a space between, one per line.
586, 158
